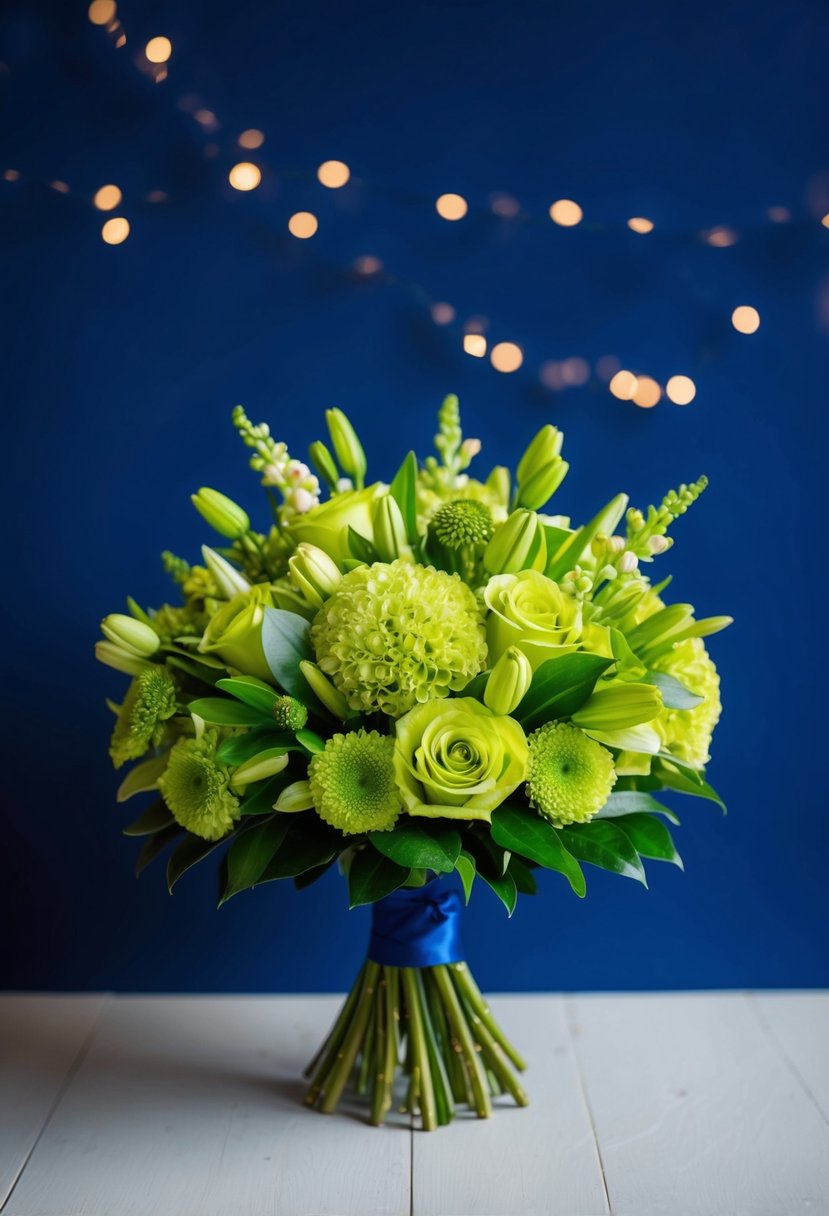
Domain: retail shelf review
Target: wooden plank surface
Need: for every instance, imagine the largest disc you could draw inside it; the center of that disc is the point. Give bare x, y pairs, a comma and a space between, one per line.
41, 1038
191, 1106
529, 1161
799, 1024
695, 1111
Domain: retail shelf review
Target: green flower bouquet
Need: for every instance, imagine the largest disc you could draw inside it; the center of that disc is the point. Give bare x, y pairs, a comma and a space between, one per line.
432, 684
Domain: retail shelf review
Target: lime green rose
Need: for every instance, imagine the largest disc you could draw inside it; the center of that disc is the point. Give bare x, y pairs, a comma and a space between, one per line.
531, 612
234, 633
456, 759
326, 526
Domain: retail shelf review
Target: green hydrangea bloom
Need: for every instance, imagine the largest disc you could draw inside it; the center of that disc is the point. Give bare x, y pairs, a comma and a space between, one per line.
150, 701
395, 635
687, 732
569, 775
196, 788
353, 785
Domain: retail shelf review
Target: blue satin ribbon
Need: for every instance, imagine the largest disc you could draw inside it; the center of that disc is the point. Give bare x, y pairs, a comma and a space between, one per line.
417, 927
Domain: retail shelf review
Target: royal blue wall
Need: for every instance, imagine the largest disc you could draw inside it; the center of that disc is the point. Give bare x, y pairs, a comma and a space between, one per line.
121, 366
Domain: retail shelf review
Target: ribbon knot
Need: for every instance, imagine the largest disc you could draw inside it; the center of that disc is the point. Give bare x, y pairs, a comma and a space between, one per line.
416, 927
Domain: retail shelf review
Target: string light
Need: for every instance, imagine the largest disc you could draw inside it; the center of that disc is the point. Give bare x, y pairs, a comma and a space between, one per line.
61, 187
721, 237
638, 223
475, 345
681, 390
206, 119
245, 176
504, 356
624, 385
158, 50
333, 174
451, 206
251, 139
566, 213
107, 198
825, 220
745, 319
443, 313
116, 230
303, 225
101, 12
647, 393
575, 371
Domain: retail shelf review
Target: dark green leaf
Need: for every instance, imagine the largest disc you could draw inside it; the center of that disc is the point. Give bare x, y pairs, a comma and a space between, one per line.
678, 781
560, 687
650, 838
154, 845
286, 642
221, 711
526, 833
260, 797
674, 694
630, 802
251, 852
207, 675
601, 843
250, 691
244, 747
523, 875
371, 876
465, 865
310, 740
186, 855
363, 550
403, 490
419, 846
491, 862
301, 881
693, 774
475, 687
305, 848
156, 817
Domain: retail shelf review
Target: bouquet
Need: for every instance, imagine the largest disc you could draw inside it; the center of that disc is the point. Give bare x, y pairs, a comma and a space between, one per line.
434, 684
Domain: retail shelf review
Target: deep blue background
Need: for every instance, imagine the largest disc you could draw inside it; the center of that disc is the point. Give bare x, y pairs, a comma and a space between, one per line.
121, 366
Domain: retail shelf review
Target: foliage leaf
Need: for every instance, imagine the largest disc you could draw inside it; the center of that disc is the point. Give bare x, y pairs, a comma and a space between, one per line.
560, 687
157, 816
240, 748
526, 833
403, 490
361, 549
630, 802
199, 671
250, 853
221, 711
307, 877
250, 691
371, 876
416, 846
142, 778
491, 862
523, 875
186, 855
307, 847
679, 781
310, 741
286, 642
674, 694
465, 866
260, 797
650, 838
601, 843
154, 845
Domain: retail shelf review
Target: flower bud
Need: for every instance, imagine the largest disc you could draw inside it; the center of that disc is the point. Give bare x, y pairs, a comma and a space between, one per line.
389, 529
544, 448
323, 462
628, 562
266, 764
125, 661
499, 482
619, 706
315, 573
228, 578
538, 489
295, 797
659, 544
289, 714
347, 446
508, 681
221, 512
130, 635
331, 697
518, 544
615, 544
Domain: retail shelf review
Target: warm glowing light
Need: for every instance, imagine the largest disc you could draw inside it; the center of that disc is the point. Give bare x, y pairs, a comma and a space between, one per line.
638, 223
551, 376
681, 390
115, 230
476, 325
575, 371
779, 215
61, 187
11, 175
303, 225
101, 12
245, 176
623, 385
825, 220
475, 344
158, 50
566, 213
451, 206
121, 40
333, 174
606, 367
207, 118
107, 198
442, 313
506, 356
505, 205
647, 393
157, 196
745, 319
721, 237
367, 264
161, 74
251, 138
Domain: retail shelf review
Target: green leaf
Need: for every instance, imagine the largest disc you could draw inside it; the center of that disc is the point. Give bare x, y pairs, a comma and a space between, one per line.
601, 843
157, 816
491, 862
504, 887
465, 866
693, 774
307, 877
199, 671
678, 781
650, 838
250, 854
475, 687
630, 802
523, 875
305, 848
403, 490
154, 845
310, 740
560, 687
142, 778
250, 691
260, 797
221, 711
371, 876
363, 550
674, 694
286, 642
417, 846
526, 833
240, 748
186, 855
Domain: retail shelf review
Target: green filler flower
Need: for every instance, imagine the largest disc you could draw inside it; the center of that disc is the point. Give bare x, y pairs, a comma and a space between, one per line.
150, 701
197, 789
352, 782
569, 776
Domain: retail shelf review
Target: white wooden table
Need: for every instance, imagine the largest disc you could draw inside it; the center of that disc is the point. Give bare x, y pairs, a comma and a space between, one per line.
191, 1106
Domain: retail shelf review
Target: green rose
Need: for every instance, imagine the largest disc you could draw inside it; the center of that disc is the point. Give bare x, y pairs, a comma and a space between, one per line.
456, 759
531, 612
326, 525
234, 633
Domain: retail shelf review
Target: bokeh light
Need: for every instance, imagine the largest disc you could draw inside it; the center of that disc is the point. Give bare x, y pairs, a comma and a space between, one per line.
623, 385
303, 224
443, 313
451, 206
779, 215
505, 205
333, 174
550, 375
606, 367
107, 198
158, 50
101, 12
475, 344
61, 187
721, 238
575, 371
681, 390
251, 139
245, 176
116, 230
745, 319
367, 264
11, 175
825, 220
506, 356
566, 213
647, 393
638, 223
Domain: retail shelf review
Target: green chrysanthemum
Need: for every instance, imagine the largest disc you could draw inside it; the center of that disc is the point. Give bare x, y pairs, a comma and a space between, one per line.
196, 788
289, 714
462, 523
352, 783
569, 775
392, 636
150, 701
687, 732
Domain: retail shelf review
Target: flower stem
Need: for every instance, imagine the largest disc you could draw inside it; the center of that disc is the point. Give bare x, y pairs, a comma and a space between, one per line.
331, 1045
334, 1084
461, 1031
473, 997
421, 1072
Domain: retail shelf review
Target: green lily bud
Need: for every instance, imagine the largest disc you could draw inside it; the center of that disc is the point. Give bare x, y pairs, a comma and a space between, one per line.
126, 661
519, 544
221, 512
331, 697
508, 681
289, 714
266, 764
315, 573
323, 462
295, 797
228, 578
619, 706
539, 488
499, 482
130, 635
389, 529
347, 446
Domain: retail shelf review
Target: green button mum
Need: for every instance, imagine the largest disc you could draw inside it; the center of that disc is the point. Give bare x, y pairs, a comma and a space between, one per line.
352, 782
150, 701
569, 776
196, 788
